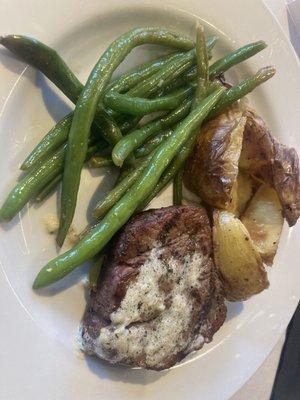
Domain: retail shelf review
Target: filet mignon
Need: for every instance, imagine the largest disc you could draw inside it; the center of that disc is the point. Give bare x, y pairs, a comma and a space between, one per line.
158, 297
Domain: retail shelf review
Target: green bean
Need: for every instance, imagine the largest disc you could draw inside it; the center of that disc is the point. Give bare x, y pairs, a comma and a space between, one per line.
152, 143
99, 236
179, 82
131, 78
164, 76
175, 165
134, 139
124, 171
236, 57
32, 184
117, 192
94, 272
50, 142
141, 106
235, 93
36, 180
99, 162
86, 106
59, 134
113, 131
48, 189
177, 188
202, 64
46, 60
210, 44
53, 139
108, 127
121, 187
129, 124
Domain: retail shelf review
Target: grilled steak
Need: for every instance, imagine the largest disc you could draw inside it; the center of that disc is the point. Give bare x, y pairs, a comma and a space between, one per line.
158, 296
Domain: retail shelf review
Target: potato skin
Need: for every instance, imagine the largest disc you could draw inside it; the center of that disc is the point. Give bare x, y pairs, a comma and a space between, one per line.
239, 263
285, 171
212, 168
271, 162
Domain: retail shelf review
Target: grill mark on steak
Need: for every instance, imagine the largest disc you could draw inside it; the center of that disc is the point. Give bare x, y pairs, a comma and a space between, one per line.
174, 245
165, 229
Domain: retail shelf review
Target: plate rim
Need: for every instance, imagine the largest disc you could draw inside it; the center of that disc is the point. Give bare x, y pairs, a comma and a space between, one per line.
289, 46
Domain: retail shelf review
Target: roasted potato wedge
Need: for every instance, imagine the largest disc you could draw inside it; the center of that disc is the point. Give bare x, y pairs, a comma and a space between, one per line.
242, 192
271, 162
263, 220
212, 168
286, 182
238, 261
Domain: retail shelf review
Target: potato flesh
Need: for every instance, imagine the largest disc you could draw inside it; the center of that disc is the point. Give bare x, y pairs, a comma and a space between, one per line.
241, 193
263, 220
238, 261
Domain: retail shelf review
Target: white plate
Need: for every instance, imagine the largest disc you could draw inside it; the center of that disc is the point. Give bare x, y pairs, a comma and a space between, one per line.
38, 354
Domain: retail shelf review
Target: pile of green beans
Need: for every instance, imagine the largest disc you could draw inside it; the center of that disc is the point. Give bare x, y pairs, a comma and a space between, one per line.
180, 86
86, 107
99, 236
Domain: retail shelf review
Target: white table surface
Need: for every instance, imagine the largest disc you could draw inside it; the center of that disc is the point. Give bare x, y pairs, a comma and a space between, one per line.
260, 384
